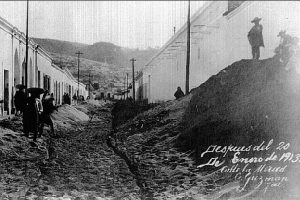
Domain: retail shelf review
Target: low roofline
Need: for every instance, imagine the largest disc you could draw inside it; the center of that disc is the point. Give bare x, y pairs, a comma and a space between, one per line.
10, 29
181, 30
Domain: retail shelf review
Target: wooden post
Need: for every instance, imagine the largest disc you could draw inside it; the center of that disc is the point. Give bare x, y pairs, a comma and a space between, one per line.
126, 85
133, 81
187, 78
26, 56
78, 54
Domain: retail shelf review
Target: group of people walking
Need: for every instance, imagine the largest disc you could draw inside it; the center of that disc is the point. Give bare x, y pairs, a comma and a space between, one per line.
66, 99
36, 112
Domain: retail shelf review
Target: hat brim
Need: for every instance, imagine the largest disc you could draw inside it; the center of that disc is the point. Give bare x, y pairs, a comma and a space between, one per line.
20, 86
35, 90
255, 20
281, 33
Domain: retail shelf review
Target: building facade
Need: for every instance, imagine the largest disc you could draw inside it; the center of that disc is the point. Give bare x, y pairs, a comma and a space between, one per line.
41, 72
218, 38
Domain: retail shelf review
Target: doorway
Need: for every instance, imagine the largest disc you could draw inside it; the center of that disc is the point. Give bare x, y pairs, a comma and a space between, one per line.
6, 92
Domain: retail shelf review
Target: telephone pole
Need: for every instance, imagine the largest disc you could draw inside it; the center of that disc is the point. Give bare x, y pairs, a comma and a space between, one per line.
126, 85
78, 54
133, 81
187, 78
26, 56
90, 85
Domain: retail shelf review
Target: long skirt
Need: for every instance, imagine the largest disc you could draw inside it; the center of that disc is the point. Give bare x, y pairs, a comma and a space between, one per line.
30, 120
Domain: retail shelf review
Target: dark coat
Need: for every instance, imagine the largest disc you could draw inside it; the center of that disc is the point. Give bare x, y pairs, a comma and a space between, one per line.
20, 100
31, 115
67, 99
48, 108
255, 36
178, 94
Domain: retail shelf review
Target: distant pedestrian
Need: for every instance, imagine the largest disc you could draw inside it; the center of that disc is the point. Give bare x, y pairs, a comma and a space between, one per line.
81, 98
179, 93
68, 99
64, 98
74, 97
48, 108
32, 112
20, 100
255, 38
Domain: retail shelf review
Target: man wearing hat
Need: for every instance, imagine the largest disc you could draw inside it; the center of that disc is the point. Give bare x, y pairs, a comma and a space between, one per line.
33, 109
255, 38
20, 99
286, 46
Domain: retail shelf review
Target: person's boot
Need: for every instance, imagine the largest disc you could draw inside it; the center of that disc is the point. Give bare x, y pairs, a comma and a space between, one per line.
40, 131
35, 136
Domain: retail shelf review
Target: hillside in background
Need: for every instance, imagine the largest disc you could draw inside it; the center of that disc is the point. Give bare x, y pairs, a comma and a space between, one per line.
60, 47
106, 61
101, 73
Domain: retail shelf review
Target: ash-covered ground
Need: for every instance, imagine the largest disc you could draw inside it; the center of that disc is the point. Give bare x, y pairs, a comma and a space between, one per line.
75, 165
106, 150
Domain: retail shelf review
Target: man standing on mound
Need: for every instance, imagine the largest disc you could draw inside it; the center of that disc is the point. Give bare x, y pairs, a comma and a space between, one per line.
255, 38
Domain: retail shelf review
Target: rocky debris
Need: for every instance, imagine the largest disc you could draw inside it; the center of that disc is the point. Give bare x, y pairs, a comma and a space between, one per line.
14, 123
85, 164
76, 165
246, 97
155, 155
246, 103
124, 111
21, 163
72, 113
148, 142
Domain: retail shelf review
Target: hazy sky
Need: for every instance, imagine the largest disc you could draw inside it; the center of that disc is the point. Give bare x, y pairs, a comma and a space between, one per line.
135, 24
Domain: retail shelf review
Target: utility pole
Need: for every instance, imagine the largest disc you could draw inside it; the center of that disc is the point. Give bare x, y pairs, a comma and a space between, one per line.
90, 85
187, 78
174, 30
126, 85
133, 81
78, 54
26, 56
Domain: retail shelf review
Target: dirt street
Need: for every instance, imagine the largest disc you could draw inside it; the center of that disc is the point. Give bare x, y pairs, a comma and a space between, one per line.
80, 165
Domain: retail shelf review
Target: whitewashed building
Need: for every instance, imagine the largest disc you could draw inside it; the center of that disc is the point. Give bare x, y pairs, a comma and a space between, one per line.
218, 38
41, 70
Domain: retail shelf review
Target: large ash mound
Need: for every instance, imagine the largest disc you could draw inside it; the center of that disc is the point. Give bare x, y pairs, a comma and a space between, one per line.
247, 102
255, 104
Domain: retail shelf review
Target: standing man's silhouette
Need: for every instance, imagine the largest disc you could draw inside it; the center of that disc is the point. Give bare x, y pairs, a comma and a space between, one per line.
255, 38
